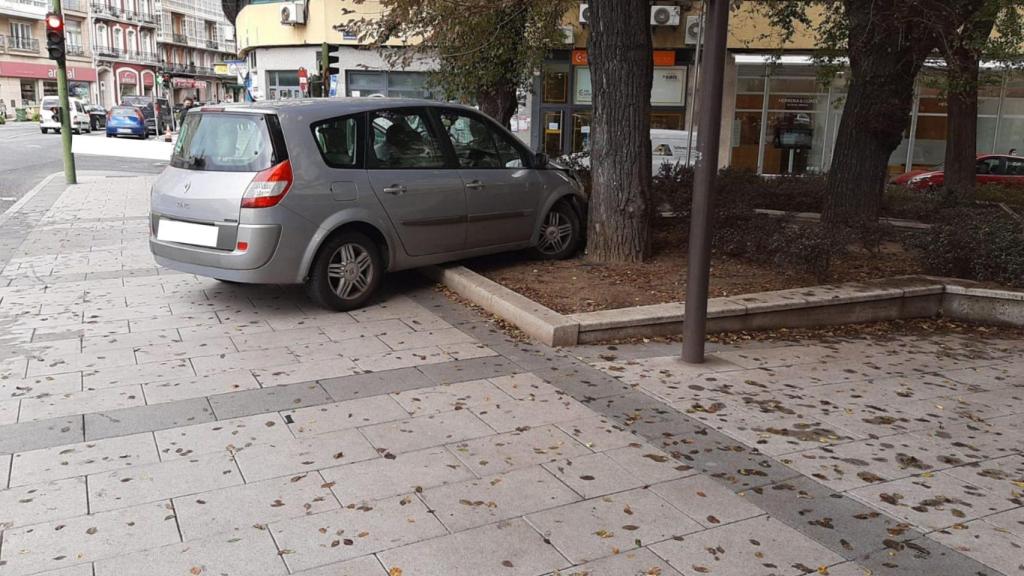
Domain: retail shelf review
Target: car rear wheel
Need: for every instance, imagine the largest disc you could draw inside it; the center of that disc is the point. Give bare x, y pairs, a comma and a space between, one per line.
44, 130
559, 234
346, 272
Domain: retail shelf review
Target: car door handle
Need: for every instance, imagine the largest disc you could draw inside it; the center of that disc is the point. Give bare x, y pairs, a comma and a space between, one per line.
475, 185
396, 190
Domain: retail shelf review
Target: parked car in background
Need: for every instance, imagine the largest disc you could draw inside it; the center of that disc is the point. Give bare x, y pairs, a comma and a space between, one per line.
49, 119
127, 121
669, 148
990, 169
97, 116
158, 113
333, 193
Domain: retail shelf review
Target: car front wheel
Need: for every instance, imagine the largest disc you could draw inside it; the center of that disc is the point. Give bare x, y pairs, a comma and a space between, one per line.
346, 272
559, 233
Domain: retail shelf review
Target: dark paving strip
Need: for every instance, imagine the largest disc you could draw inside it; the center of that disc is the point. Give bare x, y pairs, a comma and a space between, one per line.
850, 528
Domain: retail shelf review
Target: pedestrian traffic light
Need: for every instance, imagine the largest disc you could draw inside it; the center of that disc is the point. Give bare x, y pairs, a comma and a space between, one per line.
55, 36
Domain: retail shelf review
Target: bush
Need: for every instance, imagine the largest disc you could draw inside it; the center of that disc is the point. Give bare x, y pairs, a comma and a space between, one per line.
983, 245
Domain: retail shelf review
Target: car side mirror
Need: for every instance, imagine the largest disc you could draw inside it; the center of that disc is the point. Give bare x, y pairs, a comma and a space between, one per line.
540, 160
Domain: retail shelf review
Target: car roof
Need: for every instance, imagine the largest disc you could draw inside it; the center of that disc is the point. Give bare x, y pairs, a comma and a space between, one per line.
344, 105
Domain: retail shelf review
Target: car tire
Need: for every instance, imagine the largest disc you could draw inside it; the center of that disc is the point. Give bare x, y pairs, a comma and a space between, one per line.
352, 256
110, 135
43, 130
560, 233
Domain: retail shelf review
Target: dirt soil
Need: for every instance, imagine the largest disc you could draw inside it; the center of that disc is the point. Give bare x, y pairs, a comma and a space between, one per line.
578, 285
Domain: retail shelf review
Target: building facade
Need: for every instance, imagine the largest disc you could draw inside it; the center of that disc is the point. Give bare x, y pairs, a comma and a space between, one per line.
26, 72
194, 42
125, 49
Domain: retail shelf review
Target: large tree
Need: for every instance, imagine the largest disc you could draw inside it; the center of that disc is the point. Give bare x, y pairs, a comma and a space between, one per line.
483, 51
622, 70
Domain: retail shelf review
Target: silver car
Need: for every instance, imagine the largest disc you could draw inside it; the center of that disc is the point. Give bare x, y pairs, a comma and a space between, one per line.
334, 193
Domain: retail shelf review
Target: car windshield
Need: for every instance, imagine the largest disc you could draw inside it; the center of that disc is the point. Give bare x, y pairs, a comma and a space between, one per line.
224, 142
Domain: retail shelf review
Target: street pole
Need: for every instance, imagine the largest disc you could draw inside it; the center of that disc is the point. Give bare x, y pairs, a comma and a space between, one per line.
699, 262
696, 80
65, 110
325, 69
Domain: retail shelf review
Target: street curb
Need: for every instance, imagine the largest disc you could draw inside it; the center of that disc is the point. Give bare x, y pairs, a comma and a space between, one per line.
14, 208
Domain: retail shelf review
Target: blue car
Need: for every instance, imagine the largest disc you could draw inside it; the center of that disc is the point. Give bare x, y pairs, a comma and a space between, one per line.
126, 121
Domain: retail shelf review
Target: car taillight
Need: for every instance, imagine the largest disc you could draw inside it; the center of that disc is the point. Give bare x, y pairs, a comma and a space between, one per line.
268, 187
141, 116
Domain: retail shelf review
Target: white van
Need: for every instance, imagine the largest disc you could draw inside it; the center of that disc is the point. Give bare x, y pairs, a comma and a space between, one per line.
669, 147
50, 121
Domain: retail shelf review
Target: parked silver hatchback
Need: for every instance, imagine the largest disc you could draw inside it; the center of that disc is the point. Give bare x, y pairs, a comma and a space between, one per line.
333, 193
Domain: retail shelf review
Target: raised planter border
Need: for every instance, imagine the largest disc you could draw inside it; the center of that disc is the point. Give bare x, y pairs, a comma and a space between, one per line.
895, 298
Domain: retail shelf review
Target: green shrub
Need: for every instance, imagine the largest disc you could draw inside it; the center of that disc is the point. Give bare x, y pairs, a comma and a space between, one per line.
984, 245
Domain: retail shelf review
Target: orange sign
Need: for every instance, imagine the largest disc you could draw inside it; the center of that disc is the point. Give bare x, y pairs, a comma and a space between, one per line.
661, 58
664, 57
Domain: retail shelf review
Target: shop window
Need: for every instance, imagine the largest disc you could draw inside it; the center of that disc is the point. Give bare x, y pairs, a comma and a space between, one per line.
581, 122
556, 86
392, 84
1011, 135
49, 88
746, 140
794, 85
929, 142
667, 120
986, 134
553, 133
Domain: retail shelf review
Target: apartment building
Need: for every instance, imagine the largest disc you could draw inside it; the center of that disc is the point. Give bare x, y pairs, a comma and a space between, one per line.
124, 47
194, 41
26, 73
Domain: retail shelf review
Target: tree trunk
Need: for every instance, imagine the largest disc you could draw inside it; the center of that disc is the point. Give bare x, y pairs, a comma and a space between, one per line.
962, 128
622, 69
888, 43
499, 103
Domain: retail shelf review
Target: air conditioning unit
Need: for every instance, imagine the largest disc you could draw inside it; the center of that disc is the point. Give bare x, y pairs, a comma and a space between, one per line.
293, 13
665, 15
584, 13
692, 29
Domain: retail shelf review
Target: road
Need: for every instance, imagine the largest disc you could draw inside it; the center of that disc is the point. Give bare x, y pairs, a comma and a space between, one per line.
27, 156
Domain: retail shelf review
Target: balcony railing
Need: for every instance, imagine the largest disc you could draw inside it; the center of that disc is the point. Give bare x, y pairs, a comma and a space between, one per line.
22, 44
141, 57
3, 43
212, 44
179, 38
76, 5
104, 9
74, 50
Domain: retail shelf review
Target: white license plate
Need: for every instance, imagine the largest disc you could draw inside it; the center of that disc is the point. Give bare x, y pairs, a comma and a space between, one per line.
124, 130
187, 233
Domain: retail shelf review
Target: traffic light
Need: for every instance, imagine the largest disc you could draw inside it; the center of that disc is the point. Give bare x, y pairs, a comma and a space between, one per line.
55, 36
329, 66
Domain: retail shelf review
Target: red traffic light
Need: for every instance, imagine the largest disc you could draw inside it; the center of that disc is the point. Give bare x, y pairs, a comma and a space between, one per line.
54, 22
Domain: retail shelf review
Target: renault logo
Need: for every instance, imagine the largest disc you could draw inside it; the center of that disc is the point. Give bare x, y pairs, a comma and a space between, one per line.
188, 186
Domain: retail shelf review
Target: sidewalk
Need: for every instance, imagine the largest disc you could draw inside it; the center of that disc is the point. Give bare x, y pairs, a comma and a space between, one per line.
163, 424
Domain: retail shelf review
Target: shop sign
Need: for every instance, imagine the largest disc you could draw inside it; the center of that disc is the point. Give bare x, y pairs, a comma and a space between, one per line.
183, 82
128, 77
668, 87
797, 103
661, 58
45, 71
579, 58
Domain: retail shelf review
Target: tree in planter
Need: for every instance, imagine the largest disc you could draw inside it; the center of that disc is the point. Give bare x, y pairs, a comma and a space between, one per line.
483, 50
964, 40
622, 69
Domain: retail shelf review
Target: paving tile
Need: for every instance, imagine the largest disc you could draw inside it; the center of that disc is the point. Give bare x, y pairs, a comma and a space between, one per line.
412, 357
130, 340
292, 373
426, 431
367, 330
309, 542
68, 461
706, 501
295, 455
932, 503
921, 556
34, 503
599, 433
252, 359
162, 481
40, 385
448, 397
1002, 477
204, 514
76, 570
42, 434
746, 547
503, 452
986, 543
279, 339
343, 415
199, 386
405, 473
9, 411
508, 415
248, 552
650, 464
205, 331
639, 562
600, 527
365, 566
482, 501
176, 321
425, 338
147, 418
272, 399
139, 374
233, 435
467, 350
72, 403
61, 543
372, 384
510, 547
1011, 520
524, 385
353, 349
775, 435
54, 364
474, 369
593, 475
179, 350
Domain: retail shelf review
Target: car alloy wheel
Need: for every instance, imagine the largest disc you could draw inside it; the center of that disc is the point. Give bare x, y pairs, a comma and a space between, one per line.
346, 272
559, 233
350, 271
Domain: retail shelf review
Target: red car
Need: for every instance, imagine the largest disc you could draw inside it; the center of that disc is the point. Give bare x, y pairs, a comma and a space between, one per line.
991, 169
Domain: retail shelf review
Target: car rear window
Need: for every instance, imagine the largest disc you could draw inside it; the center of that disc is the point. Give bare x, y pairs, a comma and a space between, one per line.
124, 113
225, 142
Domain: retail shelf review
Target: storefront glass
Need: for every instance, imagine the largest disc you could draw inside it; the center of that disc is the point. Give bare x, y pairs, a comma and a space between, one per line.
556, 84
553, 133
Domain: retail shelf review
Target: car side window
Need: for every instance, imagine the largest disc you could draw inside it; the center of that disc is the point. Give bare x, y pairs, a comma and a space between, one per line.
1014, 167
989, 166
403, 139
477, 144
338, 141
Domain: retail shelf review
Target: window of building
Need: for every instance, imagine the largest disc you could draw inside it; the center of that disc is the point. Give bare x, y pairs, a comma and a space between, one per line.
118, 39
73, 33
28, 92
49, 88
131, 46
101, 39
283, 84
384, 83
21, 36
555, 88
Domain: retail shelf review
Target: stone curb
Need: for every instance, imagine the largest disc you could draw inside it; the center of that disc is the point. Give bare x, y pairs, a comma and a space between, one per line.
815, 217
894, 298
